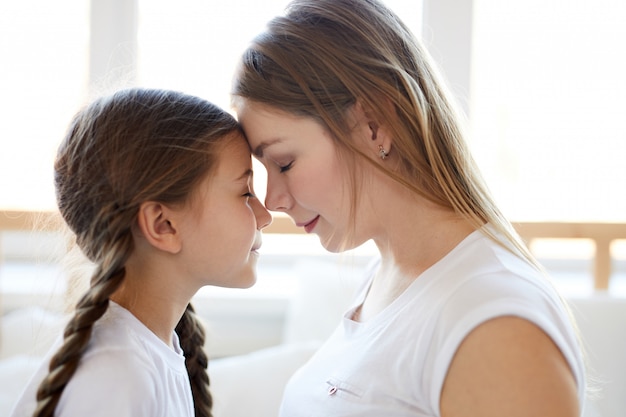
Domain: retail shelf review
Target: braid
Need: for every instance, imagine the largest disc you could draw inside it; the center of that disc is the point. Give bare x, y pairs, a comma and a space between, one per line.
120, 151
192, 337
106, 279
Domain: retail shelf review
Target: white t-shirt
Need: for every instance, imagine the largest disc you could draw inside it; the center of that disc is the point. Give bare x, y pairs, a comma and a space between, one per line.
394, 365
126, 371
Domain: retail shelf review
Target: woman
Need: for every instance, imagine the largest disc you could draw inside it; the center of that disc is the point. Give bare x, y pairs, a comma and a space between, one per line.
361, 141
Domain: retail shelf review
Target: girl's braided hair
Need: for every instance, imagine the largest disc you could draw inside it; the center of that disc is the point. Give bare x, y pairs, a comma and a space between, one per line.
121, 150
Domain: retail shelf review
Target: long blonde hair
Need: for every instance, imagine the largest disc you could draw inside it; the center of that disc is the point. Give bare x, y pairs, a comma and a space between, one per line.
121, 150
323, 56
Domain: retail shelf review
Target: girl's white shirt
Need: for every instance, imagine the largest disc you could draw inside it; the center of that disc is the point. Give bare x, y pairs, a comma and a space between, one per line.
125, 371
394, 365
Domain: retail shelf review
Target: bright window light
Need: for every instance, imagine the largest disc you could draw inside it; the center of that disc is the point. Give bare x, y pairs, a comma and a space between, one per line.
547, 107
43, 75
546, 94
199, 51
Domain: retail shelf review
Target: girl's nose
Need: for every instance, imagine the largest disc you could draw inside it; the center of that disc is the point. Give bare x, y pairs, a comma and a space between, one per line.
263, 217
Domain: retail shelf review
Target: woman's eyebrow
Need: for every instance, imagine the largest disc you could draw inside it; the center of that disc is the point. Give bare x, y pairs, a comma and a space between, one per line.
258, 151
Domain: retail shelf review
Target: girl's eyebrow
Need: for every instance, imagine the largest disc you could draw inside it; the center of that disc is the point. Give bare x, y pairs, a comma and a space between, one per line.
247, 174
258, 151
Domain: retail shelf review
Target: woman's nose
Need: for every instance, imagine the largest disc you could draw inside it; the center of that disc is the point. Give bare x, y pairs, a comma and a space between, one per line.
277, 197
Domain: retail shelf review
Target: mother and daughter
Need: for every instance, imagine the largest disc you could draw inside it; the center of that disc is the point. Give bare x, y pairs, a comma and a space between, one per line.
360, 140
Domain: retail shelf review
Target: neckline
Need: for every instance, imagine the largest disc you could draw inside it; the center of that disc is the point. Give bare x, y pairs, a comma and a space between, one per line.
421, 283
147, 334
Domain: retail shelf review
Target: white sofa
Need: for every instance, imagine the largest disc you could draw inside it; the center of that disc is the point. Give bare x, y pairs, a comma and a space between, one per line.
252, 383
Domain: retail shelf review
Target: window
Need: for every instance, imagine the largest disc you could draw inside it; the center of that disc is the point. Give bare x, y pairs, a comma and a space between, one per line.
545, 89
43, 79
189, 45
547, 107
200, 49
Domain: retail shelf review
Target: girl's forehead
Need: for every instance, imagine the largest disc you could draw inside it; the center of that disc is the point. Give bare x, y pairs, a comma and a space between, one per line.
234, 156
235, 145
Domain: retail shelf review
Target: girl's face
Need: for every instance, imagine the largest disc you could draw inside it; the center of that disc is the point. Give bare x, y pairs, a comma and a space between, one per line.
222, 228
305, 177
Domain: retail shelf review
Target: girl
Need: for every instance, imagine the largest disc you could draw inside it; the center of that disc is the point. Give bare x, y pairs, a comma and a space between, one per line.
157, 188
456, 318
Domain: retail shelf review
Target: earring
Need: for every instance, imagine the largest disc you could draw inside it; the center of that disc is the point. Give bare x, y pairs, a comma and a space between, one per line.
381, 151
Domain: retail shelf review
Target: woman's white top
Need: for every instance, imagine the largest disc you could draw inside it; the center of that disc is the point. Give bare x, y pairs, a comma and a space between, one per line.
394, 365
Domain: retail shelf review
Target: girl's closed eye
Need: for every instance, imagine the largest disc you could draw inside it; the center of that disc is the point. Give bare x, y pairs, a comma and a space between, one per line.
284, 168
249, 194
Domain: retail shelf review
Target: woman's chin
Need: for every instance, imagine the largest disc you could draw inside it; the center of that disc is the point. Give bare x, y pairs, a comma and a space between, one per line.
337, 245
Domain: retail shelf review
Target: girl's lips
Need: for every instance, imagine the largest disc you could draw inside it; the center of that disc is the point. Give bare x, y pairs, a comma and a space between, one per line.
258, 241
308, 227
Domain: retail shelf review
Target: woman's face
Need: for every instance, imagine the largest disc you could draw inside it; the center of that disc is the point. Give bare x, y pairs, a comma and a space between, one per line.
223, 222
305, 177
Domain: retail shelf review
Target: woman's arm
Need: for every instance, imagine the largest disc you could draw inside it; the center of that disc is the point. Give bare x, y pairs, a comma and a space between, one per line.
509, 367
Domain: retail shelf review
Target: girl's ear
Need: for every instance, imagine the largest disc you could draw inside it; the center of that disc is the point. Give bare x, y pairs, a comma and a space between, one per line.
156, 224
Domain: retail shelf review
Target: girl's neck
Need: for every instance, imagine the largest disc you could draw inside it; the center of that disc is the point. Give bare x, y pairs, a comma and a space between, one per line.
157, 315
154, 300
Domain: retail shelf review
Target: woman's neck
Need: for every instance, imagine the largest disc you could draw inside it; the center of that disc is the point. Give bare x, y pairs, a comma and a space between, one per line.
417, 233
413, 239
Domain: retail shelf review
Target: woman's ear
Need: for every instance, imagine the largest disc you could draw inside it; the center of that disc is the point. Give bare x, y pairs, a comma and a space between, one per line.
156, 224
379, 137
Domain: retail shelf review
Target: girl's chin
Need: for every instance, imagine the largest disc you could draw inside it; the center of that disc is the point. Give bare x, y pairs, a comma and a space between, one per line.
247, 277
243, 282
244, 278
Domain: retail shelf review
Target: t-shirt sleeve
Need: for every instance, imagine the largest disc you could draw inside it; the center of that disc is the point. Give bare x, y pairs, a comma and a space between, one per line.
111, 383
490, 297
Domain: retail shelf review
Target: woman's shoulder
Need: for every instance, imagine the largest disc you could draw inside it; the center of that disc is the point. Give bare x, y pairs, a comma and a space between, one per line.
481, 253
493, 297
486, 278
487, 282
479, 268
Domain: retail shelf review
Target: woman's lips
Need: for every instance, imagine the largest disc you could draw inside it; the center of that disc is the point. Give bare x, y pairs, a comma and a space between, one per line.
308, 227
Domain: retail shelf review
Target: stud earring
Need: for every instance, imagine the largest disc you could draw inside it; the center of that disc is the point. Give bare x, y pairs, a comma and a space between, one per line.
381, 151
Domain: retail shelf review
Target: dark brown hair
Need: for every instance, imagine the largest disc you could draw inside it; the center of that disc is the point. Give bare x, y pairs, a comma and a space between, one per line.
134, 146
